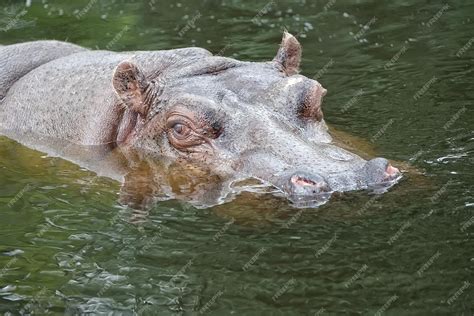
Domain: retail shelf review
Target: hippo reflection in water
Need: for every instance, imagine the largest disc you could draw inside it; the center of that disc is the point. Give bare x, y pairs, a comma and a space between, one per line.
199, 123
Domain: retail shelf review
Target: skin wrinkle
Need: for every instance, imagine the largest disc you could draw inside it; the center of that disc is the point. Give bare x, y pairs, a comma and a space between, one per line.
207, 66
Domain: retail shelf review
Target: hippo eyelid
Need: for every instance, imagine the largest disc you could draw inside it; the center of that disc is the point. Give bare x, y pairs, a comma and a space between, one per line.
208, 121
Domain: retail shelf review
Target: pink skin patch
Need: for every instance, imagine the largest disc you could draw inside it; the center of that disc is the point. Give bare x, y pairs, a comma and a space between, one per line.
391, 171
296, 180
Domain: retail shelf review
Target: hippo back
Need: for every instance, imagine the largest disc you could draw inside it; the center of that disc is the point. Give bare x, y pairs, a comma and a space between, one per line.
19, 59
64, 91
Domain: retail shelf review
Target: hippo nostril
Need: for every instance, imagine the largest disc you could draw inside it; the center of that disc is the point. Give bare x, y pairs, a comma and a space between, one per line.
299, 180
379, 170
306, 184
391, 172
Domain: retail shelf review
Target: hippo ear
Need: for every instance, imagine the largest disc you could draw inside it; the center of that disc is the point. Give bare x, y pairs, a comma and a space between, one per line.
289, 54
131, 85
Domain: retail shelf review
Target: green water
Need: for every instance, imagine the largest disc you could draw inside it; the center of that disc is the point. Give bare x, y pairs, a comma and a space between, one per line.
404, 83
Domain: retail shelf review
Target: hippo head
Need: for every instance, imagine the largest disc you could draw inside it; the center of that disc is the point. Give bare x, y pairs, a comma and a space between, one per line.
243, 120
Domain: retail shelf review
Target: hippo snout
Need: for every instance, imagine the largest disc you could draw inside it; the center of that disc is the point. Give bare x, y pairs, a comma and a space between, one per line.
305, 186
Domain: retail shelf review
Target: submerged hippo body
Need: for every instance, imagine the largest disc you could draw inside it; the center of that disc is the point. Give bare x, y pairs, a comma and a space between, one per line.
237, 119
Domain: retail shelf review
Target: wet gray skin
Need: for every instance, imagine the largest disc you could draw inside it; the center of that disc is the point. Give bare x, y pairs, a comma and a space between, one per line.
238, 119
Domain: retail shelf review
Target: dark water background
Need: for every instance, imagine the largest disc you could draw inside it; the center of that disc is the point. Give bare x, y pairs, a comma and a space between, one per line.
399, 74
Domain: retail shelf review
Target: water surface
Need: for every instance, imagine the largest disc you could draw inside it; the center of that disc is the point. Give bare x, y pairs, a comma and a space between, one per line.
399, 75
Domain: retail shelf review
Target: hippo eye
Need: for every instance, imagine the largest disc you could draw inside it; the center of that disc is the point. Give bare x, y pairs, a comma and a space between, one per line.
183, 133
181, 130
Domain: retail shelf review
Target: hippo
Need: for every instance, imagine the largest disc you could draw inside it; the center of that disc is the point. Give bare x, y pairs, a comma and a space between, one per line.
182, 107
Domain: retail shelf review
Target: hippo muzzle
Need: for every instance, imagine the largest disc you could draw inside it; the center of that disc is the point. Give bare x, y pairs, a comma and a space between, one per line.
300, 186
